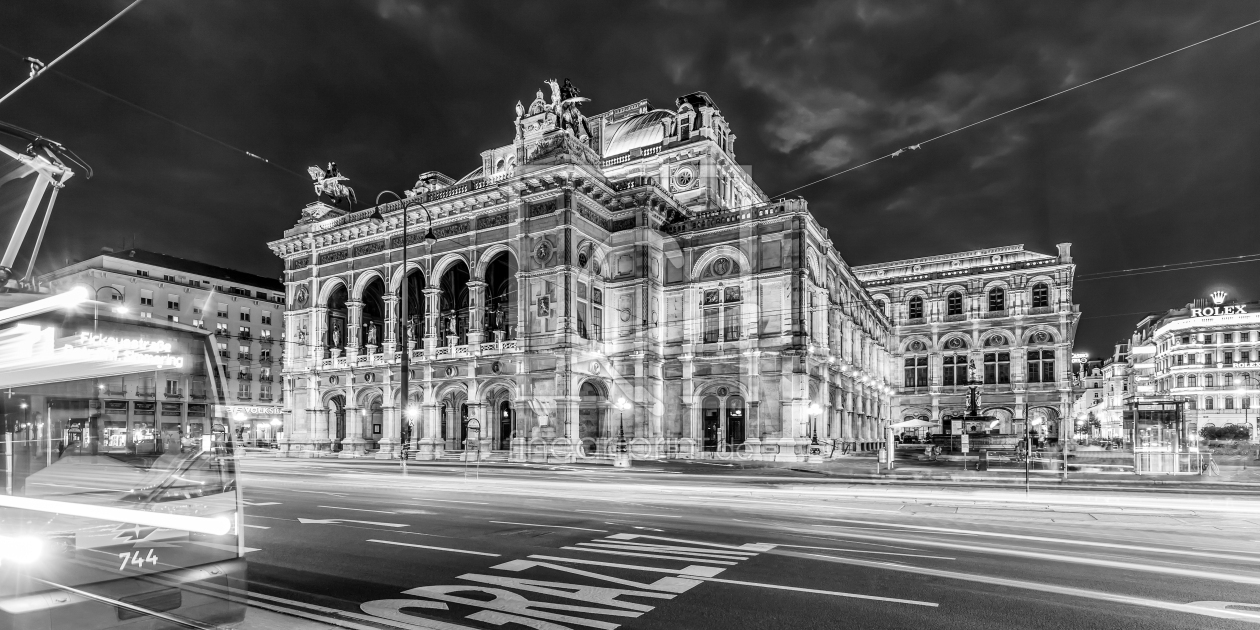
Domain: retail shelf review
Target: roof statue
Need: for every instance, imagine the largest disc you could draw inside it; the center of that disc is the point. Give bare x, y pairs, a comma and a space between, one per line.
566, 104
328, 183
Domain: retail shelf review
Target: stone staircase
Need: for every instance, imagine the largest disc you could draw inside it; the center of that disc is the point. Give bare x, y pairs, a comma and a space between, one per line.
486, 456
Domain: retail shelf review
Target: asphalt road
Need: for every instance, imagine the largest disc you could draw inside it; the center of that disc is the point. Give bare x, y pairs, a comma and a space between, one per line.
359, 545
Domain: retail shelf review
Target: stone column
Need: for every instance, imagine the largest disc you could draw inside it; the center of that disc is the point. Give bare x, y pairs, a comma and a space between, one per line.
431, 445
432, 301
390, 430
391, 323
353, 444
476, 311
354, 332
318, 332
319, 417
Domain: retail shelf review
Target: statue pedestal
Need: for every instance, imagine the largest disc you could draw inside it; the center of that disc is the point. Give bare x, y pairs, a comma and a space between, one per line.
334, 352
371, 348
451, 340
411, 344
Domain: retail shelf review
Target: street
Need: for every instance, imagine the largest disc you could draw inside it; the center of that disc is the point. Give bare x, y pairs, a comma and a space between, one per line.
698, 545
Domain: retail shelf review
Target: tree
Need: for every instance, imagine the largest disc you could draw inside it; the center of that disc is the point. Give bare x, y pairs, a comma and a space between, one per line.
1227, 433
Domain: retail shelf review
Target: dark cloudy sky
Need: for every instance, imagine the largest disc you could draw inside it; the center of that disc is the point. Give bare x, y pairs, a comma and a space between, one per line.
1158, 165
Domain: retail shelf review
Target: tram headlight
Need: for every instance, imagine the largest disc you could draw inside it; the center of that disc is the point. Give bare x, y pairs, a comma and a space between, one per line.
21, 549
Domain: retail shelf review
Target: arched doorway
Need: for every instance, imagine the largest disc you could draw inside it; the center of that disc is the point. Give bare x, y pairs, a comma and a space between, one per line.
454, 303
413, 315
507, 420
336, 324
711, 422
337, 418
372, 316
723, 420
590, 430
501, 300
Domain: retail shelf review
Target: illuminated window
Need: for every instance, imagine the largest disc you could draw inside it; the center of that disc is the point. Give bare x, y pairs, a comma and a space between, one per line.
954, 304
1040, 295
146, 315
997, 299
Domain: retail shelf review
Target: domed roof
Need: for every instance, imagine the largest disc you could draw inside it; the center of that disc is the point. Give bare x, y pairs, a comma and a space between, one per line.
639, 131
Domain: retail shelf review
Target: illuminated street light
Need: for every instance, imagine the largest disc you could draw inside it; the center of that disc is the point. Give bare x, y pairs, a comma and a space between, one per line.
622, 405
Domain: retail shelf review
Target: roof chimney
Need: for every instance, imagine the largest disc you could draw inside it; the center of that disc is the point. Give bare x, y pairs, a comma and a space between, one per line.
1065, 252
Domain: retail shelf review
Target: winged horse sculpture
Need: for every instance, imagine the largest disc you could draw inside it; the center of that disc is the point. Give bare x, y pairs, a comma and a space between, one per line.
328, 182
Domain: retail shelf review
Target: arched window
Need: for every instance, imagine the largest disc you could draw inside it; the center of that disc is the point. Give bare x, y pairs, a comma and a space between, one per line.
879, 304
1040, 295
997, 299
1229, 402
1194, 381
916, 307
953, 304
1181, 381
1207, 403
1229, 380
1208, 380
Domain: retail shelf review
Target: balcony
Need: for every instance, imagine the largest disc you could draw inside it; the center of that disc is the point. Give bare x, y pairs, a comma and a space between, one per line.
244, 396
177, 393
198, 396
245, 356
114, 390
265, 378
224, 354
264, 398
146, 392
267, 339
243, 376
244, 334
265, 359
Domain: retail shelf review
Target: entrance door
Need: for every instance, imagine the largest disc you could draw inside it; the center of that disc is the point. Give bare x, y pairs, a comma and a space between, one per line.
711, 419
463, 426
505, 425
341, 427
734, 422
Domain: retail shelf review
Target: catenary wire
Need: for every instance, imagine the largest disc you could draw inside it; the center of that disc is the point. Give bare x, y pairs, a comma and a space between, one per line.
1015, 109
161, 117
37, 72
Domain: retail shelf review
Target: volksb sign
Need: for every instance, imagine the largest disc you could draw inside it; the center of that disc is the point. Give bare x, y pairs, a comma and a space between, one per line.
1238, 309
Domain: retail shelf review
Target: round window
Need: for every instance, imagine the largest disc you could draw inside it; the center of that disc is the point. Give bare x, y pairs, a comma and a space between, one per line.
684, 177
955, 343
582, 259
1041, 337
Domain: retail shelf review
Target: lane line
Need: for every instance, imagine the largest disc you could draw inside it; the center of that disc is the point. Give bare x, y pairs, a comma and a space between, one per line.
449, 501
256, 526
675, 551
690, 570
1087, 543
585, 529
820, 592
335, 494
403, 544
628, 513
1037, 586
333, 507
882, 553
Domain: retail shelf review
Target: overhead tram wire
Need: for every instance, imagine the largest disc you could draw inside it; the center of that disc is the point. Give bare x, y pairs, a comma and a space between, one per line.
41, 68
919, 145
161, 117
1141, 271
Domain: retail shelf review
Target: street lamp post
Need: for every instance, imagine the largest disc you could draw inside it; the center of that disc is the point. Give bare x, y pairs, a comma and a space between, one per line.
96, 306
622, 405
429, 240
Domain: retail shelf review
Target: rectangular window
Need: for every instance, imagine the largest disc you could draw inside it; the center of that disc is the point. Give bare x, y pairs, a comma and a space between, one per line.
731, 316
199, 323
142, 273
1041, 366
264, 354
597, 323
264, 391
711, 325
266, 333
266, 318
223, 350
242, 390
581, 320
954, 370
244, 332
954, 304
244, 315
146, 297
1227, 357
997, 368
172, 387
1229, 402
916, 372
172, 318
222, 312
196, 310
1181, 359
117, 294
1207, 358
1227, 337
146, 315
172, 302
1244, 337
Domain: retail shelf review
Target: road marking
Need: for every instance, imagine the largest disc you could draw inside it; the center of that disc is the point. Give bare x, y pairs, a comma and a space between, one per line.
333, 507
449, 501
690, 570
257, 526
628, 513
648, 555
1088, 543
335, 494
221, 547
746, 547
585, 529
429, 624
882, 553
814, 590
1036, 586
403, 544
253, 504
334, 521
682, 551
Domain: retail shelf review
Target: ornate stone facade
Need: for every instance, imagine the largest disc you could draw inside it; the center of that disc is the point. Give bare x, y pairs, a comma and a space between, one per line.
621, 256
1003, 315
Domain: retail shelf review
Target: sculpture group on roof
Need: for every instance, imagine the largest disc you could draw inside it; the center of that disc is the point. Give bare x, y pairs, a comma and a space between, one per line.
565, 105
